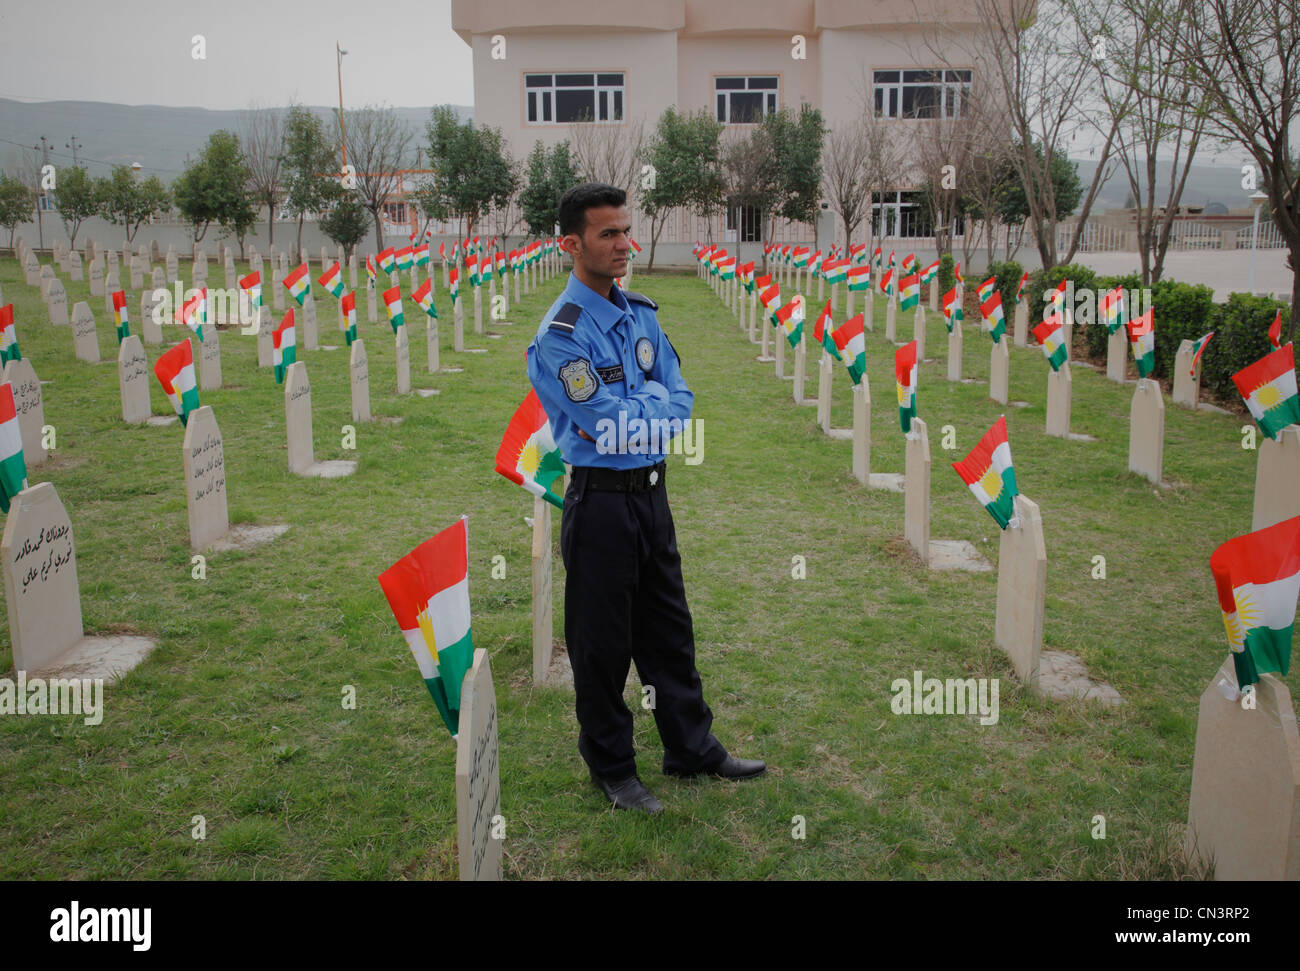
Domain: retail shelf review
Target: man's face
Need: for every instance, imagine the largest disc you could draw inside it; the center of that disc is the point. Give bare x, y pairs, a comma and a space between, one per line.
602, 249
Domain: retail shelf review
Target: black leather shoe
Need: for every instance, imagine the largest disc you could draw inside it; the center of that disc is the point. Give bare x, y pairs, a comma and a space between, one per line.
729, 768
629, 793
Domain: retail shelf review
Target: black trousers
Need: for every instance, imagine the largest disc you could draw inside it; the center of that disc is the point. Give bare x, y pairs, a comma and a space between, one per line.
624, 600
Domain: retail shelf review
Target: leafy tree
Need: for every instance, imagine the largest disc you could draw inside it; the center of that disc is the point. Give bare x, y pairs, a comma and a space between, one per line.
78, 198
16, 204
475, 173
262, 136
309, 155
1013, 205
125, 202
686, 166
797, 157
347, 223
213, 188
551, 173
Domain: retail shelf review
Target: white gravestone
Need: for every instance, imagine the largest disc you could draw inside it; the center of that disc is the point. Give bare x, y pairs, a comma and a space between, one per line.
1187, 386
265, 342
277, 289
432, 344
205, 479
1000, 372
137, 273
891, 320
133, 380
360, 371
1244, 813
1276, 474
95, 273
403, 361
478, 780
954, 353
1022, 587
298, 419
1117, 356
1021, 325
47, 277
916, 491
150, 318
918, 332
85, 342
112, 284
862, 432
158, 279
1060, 386
58, 304
44, 600
74, 267
310, 340
1146, 442
30, 406
210, 359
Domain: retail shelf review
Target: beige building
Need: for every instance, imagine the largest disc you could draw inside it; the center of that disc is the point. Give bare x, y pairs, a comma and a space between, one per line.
543, 66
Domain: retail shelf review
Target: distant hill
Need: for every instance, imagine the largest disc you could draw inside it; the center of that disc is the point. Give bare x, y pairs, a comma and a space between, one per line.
157, 137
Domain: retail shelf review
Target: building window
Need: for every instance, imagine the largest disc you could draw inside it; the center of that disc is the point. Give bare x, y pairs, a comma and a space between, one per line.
902, 214
746, 220
395, 212
746, 101
563, 99
920, 94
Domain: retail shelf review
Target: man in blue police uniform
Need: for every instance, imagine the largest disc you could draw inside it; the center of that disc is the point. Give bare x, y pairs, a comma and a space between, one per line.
602, 367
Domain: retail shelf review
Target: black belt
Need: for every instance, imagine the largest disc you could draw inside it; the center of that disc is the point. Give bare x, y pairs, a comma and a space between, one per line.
623, 480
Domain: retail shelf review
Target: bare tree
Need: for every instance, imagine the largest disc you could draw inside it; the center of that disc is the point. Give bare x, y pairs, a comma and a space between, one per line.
887, 168
748, 173
261, 136
844, 176
609, 153
377, 143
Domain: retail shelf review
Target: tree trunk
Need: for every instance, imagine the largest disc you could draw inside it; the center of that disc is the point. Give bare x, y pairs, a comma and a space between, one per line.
379, 236
300, 217
270, 225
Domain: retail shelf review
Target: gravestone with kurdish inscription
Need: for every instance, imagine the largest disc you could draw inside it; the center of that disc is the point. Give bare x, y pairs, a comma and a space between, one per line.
478, 778
95, 274
137, 273
277, 289
1022, 589
43, 598
150, 328
200, 273
58, 304
298, 420
916, 491
209, 350
85, 341
47, 277
133, 380
30, 406
74, 267
32, 269
310, 331
360, 371
158, 280
265, 342
112, 284
205, 479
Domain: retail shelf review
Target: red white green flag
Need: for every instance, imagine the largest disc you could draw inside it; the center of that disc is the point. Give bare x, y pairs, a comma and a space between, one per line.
387, 260
372, 271
423, 295
850, 342
428, 590
120, 317
332, 280
393, 304
471, 266
1057, 296
988, 471
790, 319
746, 276
485, 267
815, 263
349, 305
298, 283
421, 254
500, 261
949, 303
985, 289
930, 272
886, 280
858, 253
800, 256
823, 330
1269, 389
636, 248
252, 285
528, 455
175, 372
13, 467
994, 319
1142, 335
1257, 578
1275, 330
1111, 306
1020, 289
771, 298
859, 278
910, 291
403, 258
453, 286
190, 315
1051, 336
905, 374
835, 271
8, 335
1198, 349
284, 346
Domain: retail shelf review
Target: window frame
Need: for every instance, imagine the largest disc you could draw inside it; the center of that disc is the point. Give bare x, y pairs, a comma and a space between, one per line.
541, 101
892, 91
769, 102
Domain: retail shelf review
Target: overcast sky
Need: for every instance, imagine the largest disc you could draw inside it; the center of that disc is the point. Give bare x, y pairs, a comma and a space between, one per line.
400, 52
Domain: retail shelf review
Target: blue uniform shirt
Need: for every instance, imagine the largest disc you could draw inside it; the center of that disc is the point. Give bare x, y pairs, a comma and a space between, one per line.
605, 366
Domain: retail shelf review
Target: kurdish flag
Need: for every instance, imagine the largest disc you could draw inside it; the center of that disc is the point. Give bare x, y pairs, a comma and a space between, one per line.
1198, 349
453, 286
485, 267
1020, 290
930, 272
850, 342
800, 256
332, 280
120, 316
372, 271
636, 248
835, 270
1057, 296
1257, 577
1111, 306
528, 455
877, 259
471, 264
1052, 338
284, 346
403, 258
989, 473
905, 379
1142, 334
985, 289
421, 254
298, 283
790, 319
950, 303
393, 303
189, 315
8, 335
746, 275
428, 590
815, 263
349, 305
423, 295
886, 279
387, 260
1269, 388
858, 253
771, 298
175, 371
1275, 330
500, 260
859, 278
13, 468
252, 285
823, 329
727, 268
910, 292
993, 316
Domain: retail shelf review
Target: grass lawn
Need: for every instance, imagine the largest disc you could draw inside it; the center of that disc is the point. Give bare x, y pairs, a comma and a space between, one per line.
237, 715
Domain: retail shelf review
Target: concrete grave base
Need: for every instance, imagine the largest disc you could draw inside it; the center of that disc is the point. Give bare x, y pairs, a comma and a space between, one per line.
331, 469
246, 537
890, 481
109, 658
427, 392
1063, 675
957, 554
160, 420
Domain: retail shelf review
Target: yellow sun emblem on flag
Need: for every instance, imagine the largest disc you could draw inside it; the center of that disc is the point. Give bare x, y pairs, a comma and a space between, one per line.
991, 483
1244, 618
1267, 396
426, 629
530, 459
902, 393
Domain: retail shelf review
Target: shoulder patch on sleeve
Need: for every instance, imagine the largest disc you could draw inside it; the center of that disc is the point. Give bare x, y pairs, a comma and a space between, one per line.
566, 317
640, 298
670, 344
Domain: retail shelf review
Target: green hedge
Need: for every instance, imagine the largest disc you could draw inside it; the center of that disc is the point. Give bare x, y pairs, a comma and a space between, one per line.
1240, 338
947, 275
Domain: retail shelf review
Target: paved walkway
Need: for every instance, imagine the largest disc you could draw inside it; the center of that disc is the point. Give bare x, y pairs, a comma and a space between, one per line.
1224, 271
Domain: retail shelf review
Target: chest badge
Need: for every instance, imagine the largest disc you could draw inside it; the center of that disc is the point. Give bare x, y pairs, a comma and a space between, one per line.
579, 382
645, 354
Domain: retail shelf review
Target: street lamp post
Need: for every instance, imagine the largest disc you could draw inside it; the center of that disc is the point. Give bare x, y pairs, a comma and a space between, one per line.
343, 140
1256, 201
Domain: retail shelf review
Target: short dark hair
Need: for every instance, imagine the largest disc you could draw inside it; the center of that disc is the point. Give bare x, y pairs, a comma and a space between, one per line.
575, 203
